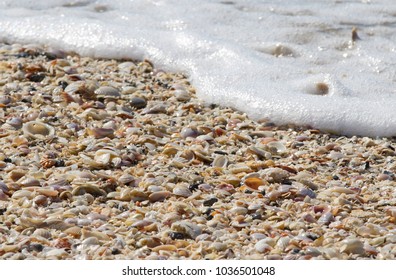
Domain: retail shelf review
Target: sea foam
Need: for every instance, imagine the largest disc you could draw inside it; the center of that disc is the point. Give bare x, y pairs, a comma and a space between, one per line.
289, 61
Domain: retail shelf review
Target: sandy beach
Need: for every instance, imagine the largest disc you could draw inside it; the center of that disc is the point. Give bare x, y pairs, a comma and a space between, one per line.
107, 159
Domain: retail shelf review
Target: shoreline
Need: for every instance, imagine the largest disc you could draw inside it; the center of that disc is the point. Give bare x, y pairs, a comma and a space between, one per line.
107, 159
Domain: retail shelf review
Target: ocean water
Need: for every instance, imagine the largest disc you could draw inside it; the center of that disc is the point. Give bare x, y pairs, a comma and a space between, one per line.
290, 61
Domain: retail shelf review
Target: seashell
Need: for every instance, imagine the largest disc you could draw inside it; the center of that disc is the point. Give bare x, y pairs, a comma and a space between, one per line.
15, 122
159, 108
189, 132
238, 168
368, 230
260, 152
164, 248
108, 93
201, 155
137, 195
254, 182
29, 221
182, 191
312, 251
138, 102
19, 141
56, 254
47, 162
170, 150
38, 130
55, 223
239, 210
89, 188
85, 234
21, 194
189, 229
302, 138
126, 179
86, 89
220, 161
384, 177
95, 114
74, 231
352, 246
279, 50
47, 192
207, 138
159, 196
340, 190
5, 100
43, 233
40, 200
262, 246
3, 187
306, 192
276, 148
182, 95
3, 196
391, 212
335, 155
105, 156
126, 67
100, 132
218, 246
283, 242
275, 175
326, 218
91, 241
29, 182
188, 155
141, 224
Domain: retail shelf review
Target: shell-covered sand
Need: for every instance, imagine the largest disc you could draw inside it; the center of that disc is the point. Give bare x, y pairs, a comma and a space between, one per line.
106, 159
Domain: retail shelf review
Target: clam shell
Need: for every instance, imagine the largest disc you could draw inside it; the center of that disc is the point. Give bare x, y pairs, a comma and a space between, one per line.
22, 193
352, 246
156, 109
102, 132
182, 95
89, 188
43, 233
220, 161
159, 196
126, 179
85, 89
182, 191
260, 152
189, 132
104, 156
38, 130
29, 182
277, 147
138, 102
238, 168
74, 231
262, 246
164, 248
254, 183
108, 93
85, 234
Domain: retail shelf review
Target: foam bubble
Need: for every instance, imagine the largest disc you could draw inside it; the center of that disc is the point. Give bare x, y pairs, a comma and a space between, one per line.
292, 62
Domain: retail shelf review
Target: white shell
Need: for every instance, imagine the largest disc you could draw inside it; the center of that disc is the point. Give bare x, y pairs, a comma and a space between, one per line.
38, 130
220, 161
